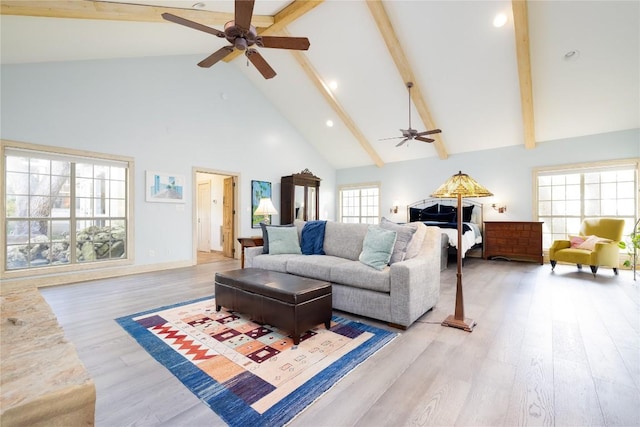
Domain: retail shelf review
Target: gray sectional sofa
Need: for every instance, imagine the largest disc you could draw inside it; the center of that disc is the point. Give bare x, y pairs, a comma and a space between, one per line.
398, 294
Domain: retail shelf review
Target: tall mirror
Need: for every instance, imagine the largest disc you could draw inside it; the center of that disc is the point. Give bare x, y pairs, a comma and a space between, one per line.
300, 197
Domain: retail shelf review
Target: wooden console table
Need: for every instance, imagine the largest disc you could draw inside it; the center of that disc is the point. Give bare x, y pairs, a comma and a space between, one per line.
246, 242
513, 240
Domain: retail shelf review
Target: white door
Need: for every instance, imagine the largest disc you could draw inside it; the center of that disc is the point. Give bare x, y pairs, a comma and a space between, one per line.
204, 216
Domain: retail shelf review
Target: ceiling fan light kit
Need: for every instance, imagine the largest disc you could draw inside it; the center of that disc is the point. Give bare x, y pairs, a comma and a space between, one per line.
242, 36
410, 133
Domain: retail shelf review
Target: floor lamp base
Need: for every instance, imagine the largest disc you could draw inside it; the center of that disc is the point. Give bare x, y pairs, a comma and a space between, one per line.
466, 324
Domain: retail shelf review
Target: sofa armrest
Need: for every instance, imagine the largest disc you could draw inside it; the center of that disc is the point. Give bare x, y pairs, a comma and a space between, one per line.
250, 253
415, 283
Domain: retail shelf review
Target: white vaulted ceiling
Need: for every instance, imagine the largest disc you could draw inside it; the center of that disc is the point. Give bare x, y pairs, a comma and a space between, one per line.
467, 72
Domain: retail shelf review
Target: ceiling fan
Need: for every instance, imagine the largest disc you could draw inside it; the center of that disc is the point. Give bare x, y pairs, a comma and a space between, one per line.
242, 36
409, 134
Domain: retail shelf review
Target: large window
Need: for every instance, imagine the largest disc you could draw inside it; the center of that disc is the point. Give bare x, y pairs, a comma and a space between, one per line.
63, 209
567, 195
360, 204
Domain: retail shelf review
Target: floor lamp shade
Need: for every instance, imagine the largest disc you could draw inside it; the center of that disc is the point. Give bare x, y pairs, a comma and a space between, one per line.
458, 186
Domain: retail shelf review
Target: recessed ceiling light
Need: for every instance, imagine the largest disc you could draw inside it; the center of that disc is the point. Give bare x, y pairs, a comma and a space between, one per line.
333, 85
499, 20
330, 123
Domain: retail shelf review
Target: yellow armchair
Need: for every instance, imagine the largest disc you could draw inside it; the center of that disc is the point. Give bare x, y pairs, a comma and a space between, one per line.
600, 250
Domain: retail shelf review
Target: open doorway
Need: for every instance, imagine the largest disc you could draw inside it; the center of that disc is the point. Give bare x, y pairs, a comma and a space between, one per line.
214, 222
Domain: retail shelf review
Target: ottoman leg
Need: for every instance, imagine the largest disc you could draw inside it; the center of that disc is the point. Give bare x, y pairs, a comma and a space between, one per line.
296, 339
327, 324
218, 307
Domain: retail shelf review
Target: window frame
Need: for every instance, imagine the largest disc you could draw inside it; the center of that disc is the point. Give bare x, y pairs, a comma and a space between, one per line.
361, 186
582, 168
89, 157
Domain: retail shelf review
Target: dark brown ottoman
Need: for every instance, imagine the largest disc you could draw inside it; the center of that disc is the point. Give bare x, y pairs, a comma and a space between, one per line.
292, 303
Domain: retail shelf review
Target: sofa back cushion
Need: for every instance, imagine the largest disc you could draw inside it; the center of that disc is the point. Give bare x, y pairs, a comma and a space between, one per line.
344, 240
404, 236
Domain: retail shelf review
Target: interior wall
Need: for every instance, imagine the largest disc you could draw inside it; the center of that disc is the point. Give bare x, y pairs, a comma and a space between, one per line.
169, 115
506, 172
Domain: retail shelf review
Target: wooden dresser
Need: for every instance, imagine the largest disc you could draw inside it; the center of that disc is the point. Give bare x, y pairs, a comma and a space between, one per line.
513, 240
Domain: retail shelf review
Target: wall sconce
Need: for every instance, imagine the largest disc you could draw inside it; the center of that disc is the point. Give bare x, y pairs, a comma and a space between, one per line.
500, 209
394, 208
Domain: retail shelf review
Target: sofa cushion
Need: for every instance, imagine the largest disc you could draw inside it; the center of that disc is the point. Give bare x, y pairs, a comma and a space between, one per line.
265, 235
404, 236
273, 262
344, 240
314, 266
312, 241
377, 247
356, 274
415, 244
283, 240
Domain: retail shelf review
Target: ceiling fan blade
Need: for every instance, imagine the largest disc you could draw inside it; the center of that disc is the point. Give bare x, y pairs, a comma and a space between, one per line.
259, 62
419, 138
402, 142
295, 43
215, 57
395, 137
428, 132
244, 11
187, 23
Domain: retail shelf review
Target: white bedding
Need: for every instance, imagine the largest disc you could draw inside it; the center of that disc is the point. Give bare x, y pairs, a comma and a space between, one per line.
469, 238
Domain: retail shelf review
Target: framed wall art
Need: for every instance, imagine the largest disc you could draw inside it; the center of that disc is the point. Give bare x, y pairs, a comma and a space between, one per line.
165, 187
259, 190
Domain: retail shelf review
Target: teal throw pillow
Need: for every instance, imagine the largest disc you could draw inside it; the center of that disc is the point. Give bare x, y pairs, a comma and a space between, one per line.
377, 247
283, 240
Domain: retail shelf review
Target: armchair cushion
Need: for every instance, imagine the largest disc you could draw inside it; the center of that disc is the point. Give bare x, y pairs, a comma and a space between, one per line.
590, 242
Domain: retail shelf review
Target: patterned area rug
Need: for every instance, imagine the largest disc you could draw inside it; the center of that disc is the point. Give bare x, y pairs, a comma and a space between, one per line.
250, 373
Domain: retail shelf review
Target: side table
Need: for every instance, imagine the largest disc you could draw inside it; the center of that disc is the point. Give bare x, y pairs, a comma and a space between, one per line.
246, 242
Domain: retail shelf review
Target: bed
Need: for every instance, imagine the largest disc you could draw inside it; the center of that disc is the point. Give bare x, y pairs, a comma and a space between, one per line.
442, 213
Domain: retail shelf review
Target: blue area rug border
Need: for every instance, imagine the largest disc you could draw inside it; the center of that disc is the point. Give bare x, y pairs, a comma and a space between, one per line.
225, 404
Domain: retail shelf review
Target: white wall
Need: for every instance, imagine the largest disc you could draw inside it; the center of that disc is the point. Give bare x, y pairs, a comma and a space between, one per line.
170, 116
506, 172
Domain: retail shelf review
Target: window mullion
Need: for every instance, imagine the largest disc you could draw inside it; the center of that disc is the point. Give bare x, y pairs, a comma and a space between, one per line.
72, 214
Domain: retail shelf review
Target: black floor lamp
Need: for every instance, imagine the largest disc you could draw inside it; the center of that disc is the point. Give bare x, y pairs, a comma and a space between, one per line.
458, 186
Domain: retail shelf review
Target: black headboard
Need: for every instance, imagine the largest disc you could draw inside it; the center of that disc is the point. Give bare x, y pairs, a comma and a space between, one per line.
476, 216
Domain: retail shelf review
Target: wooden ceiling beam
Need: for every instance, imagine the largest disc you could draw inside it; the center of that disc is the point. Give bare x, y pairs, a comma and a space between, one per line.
404, 68
319, 83
521, 27
114, 11
281, 19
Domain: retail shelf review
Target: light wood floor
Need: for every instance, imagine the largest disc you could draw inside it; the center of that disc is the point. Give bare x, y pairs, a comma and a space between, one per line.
557, 349
212, 256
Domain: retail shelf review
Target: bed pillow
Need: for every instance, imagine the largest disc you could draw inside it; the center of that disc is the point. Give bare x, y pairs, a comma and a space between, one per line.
283, 240
265, 235
377, 247
467, 212
431, 209
312, 241
414, 214
404, 235
440, 217
446, 208
590, 243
